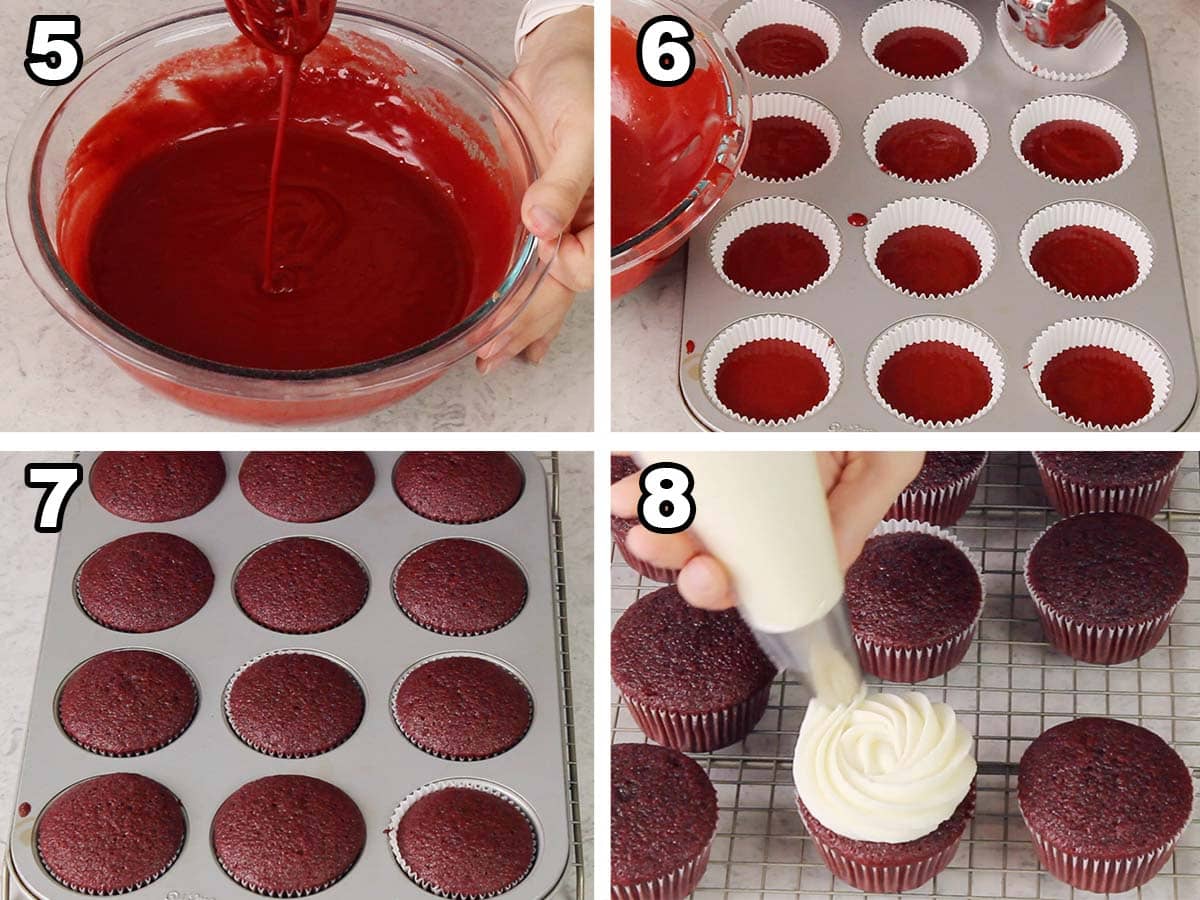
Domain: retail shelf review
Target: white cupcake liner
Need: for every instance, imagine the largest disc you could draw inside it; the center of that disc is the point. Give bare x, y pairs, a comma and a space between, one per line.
757, 13
947, 17
474, 784
1075, 107
1072, 499
674, 886
941, 506
925, 105
770, 210
787, 328
935, 328
797, 106
701, 732
454, 654
287, 652
1098, 215
1097, 332
936, 211
1102, 50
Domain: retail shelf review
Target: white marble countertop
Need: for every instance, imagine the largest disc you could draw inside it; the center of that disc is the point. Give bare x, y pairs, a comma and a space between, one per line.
646, 323
57, 380
30, 558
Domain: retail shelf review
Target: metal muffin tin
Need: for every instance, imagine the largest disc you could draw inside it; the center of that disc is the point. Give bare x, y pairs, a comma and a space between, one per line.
855, 307
378, 767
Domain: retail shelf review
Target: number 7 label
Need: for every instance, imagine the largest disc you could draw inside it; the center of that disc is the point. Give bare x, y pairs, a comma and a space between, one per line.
60, 481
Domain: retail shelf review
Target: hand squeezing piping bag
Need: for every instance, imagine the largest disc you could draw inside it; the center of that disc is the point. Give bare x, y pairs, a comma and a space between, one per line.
765, 517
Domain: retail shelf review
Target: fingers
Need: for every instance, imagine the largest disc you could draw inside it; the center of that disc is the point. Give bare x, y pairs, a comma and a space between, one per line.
666, 551
573, 266
542, 318
550, 203
865, 490
703, 582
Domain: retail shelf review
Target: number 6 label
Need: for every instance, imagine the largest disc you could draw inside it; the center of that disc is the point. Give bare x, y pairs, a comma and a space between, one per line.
53, 56
666, 505
664, 51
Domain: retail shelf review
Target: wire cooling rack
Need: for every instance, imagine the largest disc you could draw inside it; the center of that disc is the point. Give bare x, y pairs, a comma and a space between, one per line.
1010, 688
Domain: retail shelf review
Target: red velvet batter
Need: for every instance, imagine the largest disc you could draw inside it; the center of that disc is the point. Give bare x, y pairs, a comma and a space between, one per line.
1072, 150
1086, 261
858, 220
935, 381
928, 259
782, 49
1098, 385
785, 147
771, 379
163, 218
925, 150
921, 52
778, 257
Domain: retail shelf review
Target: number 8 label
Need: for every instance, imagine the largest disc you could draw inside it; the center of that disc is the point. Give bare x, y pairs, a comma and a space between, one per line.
666, 505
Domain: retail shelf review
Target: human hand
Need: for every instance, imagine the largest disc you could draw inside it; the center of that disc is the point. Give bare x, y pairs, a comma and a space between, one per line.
555, 78
860, 489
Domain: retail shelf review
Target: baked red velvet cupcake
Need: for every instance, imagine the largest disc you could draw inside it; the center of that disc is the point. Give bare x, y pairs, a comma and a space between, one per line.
1105, 585
306, 487
694, 680
111, 834
915, 599
288, 835
458, 488
664, 818
942, 490
127, 702
463, 841
293, 704
1105, 802
623, 466
1137, 483
158, 486
460, 587
301, 585
462, 707
144, 582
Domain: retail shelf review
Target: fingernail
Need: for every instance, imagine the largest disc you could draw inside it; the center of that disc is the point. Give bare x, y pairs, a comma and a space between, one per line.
546, 223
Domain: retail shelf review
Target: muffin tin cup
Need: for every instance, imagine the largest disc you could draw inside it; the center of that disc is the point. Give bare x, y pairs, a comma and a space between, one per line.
263, 892
1072, 499
1078, 108
1101, 52
643, 568
777, 327
937, 212
935, 328
912, 665
942, 506
926, 105
1110, 334
806, 109
770, 211
947, 17
701, 733
474, 784
1116, 222
1101, 876
758, 13
675, 886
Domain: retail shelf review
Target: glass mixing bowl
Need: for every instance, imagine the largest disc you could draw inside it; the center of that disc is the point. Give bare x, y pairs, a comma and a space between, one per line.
635, 259
37, 173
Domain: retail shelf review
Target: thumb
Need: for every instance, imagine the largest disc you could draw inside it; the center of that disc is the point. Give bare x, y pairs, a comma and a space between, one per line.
551, 202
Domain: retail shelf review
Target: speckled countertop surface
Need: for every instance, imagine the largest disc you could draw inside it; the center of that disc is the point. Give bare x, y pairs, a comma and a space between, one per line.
30, 558
57, 380
646, 323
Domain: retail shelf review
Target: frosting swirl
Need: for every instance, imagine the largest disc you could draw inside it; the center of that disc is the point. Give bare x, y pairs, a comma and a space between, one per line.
886, 767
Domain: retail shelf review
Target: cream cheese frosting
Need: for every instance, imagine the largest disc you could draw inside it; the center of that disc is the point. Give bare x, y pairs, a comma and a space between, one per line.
884, 767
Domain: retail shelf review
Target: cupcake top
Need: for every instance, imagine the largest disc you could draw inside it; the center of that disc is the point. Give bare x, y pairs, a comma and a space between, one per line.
306, 487
127, 702
144, 582
156, 487
458, 488
943, 469
664, 812
686, 660
1104, 788
1111, 470
1107, 568
462, 841
622, 467
288, 834
461, 587
111, 834
463, 707
301, 585
294, 704
912, 589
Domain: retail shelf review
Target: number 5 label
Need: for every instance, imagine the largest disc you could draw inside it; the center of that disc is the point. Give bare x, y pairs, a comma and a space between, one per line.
53, 56
666, 505
664, 51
